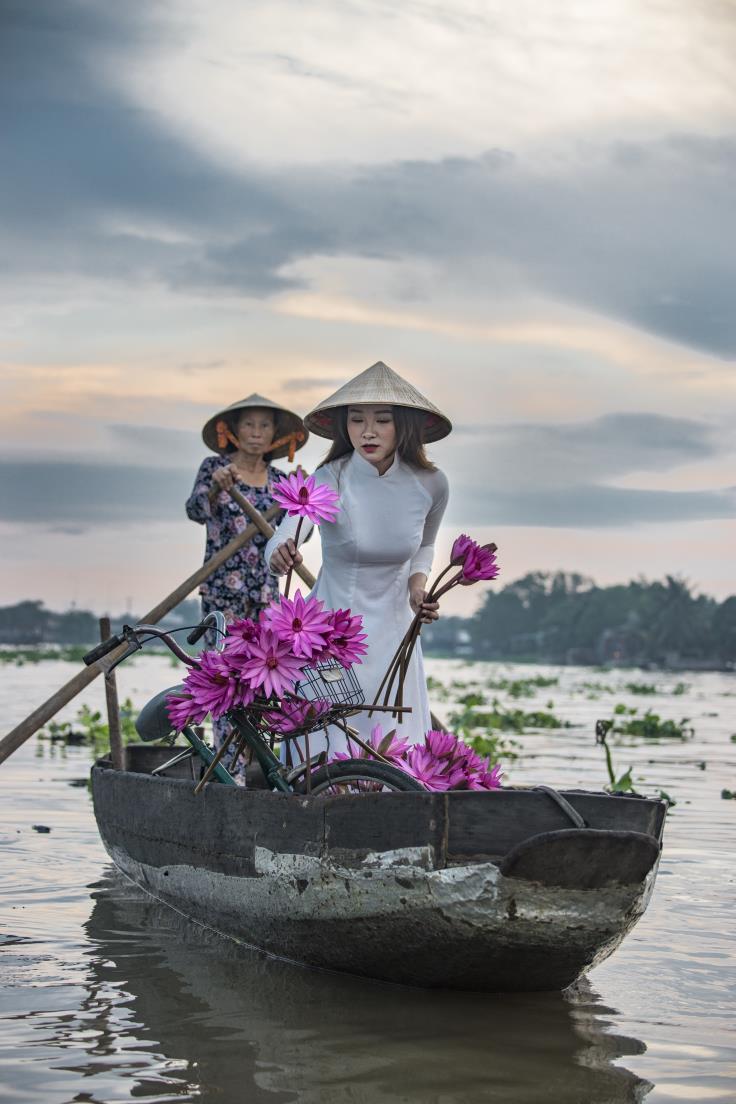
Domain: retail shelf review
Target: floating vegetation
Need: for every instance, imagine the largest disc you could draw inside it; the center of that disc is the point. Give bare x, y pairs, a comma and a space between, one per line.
72, 653
624, 783
89, 728
499, 719
598, 688
641, 688
650, 725
680, 688
522, 687
728, 795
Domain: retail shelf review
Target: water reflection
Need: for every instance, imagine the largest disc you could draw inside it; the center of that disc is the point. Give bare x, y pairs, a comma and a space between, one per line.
183, 1014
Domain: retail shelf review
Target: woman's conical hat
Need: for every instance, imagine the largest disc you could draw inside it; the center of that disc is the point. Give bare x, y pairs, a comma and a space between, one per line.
287, 423
378, 384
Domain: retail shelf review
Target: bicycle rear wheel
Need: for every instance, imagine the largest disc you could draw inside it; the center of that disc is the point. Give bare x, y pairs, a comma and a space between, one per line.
359, 776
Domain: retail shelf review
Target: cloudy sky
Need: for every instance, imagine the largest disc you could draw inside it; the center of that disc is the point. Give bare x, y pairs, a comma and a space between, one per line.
527, 209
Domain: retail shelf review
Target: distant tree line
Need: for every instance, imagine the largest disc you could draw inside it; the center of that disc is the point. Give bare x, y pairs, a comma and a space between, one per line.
29, 622
555, 617
562, 617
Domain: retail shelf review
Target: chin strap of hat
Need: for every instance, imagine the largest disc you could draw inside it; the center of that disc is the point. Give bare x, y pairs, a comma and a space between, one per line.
290, 439
225, 436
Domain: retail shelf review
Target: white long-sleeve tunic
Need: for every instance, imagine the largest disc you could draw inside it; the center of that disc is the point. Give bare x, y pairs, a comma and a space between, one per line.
384, 533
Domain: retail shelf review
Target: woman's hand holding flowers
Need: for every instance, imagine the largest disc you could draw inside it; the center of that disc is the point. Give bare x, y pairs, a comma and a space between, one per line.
428, 611
284, 557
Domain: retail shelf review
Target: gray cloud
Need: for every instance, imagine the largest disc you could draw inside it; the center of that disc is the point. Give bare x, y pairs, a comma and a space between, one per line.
94, 188
74, 495
559, 454
589, 506
556, 489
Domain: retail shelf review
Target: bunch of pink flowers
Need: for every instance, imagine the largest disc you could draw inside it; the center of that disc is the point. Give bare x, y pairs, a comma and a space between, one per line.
442, 762
470, 563
264, 660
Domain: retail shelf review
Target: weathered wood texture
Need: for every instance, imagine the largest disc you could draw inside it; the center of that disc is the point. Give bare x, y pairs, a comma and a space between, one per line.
113, 707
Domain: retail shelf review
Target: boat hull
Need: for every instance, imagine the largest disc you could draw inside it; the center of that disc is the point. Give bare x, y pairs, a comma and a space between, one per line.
485, 891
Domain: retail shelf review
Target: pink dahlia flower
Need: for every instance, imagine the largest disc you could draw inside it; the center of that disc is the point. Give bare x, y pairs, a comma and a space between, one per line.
296, 714
303, 623
302, 496
346, 642
271, 666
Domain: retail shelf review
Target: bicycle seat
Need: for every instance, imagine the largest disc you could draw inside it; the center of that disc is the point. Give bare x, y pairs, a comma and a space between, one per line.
152, 723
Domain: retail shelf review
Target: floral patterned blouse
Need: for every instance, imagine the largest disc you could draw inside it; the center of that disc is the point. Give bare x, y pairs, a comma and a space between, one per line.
244, 581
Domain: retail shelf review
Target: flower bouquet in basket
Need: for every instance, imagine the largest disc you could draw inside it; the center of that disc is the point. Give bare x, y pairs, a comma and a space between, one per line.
471, 563
291, 668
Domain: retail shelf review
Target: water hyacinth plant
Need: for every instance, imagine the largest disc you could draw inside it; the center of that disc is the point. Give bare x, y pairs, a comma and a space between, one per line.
442, 762
262, 662
301, 496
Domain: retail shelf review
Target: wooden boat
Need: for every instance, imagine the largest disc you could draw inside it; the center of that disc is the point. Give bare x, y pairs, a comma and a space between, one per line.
501, 890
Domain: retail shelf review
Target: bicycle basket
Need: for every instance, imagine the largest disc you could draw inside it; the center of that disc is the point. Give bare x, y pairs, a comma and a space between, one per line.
330, 682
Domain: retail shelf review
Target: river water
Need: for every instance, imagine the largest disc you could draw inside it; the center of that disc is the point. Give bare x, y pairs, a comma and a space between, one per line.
107, 996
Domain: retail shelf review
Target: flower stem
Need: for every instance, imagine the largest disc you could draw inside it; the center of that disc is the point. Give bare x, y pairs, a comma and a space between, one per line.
287, 585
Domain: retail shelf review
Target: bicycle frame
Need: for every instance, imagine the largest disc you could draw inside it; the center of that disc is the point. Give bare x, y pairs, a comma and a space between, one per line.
274, 772
270, 764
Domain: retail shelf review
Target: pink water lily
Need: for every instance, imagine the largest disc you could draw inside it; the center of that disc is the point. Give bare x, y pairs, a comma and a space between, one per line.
302, 622
443, 762
271, 666
460, 548
346, 643
214, 688
390, 746
240, 635
302, 496
479, 564
183, 711
442, 744
489, 779
296, 714
428, 769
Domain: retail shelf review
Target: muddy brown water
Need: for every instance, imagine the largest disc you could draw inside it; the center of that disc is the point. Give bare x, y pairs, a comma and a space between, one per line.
107, 996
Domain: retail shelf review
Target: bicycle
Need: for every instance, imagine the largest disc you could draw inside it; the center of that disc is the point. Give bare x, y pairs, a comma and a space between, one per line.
253, 729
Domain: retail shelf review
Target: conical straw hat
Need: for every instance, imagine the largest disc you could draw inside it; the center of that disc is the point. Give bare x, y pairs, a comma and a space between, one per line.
286, 423
378, 384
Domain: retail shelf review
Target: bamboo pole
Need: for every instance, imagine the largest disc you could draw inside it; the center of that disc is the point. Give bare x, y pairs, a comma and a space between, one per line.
39, 717
267, 530
113, 708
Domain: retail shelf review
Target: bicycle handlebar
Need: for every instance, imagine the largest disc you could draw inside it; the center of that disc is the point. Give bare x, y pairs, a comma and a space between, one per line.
102, 649
132, 636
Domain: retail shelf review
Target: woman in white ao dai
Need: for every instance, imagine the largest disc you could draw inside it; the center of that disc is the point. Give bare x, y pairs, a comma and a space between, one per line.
377, 554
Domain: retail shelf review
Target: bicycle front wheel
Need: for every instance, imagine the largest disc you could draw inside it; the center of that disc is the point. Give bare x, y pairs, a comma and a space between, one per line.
359, 776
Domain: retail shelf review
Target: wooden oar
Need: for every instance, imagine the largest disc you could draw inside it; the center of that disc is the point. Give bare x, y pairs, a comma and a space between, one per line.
267, 530
39, 717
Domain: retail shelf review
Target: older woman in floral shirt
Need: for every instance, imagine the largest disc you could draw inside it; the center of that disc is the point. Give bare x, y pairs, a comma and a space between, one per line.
242, 436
